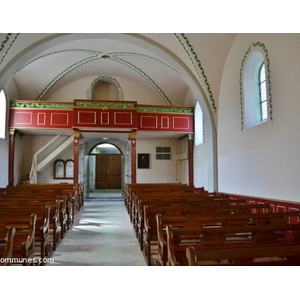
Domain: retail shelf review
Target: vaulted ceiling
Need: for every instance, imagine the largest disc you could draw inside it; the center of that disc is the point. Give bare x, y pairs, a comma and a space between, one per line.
50, 64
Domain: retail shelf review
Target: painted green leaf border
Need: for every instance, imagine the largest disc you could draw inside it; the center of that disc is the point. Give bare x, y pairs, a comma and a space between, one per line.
8, 36
262, 45
197, 66
95, 56
111, 105
154, 109
42, 105
106, 77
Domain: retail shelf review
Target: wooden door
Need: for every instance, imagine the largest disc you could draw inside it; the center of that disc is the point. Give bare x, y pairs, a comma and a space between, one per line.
108, 171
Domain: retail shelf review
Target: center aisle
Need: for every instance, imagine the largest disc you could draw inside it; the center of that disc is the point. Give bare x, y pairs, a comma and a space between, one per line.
101, 235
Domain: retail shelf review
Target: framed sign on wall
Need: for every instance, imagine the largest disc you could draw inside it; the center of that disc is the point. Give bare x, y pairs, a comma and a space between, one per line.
63, 169
143, 160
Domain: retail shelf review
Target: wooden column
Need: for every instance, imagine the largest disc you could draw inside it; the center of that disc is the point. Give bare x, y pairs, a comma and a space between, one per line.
191, 158
76, 135
11, 157
133, 156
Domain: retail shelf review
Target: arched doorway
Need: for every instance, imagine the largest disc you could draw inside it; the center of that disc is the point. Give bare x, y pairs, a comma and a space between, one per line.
108, 166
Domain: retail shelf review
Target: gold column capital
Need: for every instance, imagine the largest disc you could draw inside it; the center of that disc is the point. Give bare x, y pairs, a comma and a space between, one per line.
12, 131
76, 134
191, 136
133, 135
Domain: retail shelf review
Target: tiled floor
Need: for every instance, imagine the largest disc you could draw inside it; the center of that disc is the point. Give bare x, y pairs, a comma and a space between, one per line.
101, 235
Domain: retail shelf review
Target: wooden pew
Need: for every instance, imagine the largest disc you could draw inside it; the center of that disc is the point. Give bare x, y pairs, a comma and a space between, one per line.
24, 239
133, 189
68, 198
157, 218
195, 221
74, 191
6, 246
175, 206
129, 188
277, 255
167, 199
48, 217
158, 199
56, 203
48, 192
159, 193
42, 232
214, 244
60, 201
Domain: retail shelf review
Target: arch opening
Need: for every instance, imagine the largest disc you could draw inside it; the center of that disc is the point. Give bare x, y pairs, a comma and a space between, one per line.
160, 51
104, 168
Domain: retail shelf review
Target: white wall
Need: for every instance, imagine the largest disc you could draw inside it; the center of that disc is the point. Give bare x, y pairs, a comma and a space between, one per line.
48, 175
201, 166
160, 170
33, 143
11, 93
262, 160
200, 154
4, 162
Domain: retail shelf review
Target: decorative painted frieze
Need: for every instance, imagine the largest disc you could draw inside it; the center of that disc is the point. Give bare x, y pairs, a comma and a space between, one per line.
41, 105
3, 44
156, 109
106, 105
197, 65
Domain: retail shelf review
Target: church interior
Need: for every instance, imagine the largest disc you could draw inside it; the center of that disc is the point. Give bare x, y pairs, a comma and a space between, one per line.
43, 77
105, 112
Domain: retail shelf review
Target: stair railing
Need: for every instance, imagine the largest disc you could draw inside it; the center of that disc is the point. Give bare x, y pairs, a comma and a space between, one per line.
33, 171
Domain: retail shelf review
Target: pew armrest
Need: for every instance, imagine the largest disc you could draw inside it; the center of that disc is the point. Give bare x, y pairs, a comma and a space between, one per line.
29, 242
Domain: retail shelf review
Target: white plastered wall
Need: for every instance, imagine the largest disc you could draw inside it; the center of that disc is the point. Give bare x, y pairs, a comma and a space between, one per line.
262, 160
160, 170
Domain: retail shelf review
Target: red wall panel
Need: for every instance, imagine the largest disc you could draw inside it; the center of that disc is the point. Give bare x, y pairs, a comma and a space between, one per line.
41, 119
276, 205
59, 119
94, 114
23, 118
123, 118
86, 117
166, 122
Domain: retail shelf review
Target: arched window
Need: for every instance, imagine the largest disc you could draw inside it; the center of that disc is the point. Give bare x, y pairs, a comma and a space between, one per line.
2, 115
105, 148
255, 90
263, 92
199, 125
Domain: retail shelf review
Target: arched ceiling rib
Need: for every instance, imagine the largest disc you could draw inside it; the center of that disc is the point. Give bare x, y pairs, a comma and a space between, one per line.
59, 66
91, 55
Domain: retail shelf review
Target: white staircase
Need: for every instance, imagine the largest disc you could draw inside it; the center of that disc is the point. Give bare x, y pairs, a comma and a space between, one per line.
48, 154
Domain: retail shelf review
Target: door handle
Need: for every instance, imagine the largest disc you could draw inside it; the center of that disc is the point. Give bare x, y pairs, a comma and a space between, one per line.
107, 171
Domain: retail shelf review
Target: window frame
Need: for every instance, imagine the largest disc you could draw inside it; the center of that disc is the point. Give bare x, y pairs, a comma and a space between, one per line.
199, 136
256, 54
262, 82
3, 115
64, 166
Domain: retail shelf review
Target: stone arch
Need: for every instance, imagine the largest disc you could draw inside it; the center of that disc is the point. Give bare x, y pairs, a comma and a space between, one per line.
106, 80
106, 143
150, 45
